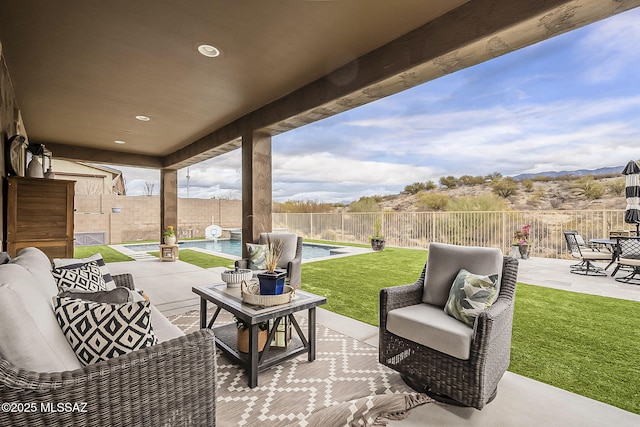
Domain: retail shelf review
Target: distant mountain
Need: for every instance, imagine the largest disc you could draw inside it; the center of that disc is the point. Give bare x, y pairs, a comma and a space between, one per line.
581, 172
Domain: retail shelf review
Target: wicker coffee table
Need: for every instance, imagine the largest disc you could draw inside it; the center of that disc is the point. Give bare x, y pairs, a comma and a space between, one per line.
230, 300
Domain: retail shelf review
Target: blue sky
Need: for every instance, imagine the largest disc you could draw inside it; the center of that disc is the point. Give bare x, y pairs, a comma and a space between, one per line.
571, 102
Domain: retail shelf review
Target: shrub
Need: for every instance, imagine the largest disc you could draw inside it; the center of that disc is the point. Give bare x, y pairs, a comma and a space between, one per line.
528, 185
505, 187
485, 202
301, 206
433, 201
365, 204
616, 186
589, 187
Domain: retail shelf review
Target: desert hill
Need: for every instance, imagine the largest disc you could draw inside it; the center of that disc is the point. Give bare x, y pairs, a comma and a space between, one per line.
562, 194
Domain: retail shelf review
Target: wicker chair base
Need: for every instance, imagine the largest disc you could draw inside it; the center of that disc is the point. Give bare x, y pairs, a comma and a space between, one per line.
423, 388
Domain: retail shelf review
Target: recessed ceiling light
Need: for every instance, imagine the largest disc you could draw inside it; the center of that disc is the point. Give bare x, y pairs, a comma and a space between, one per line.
119, 142
208, 50
143, 118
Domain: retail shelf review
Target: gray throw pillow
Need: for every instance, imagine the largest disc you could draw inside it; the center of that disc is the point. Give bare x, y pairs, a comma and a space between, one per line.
114, 296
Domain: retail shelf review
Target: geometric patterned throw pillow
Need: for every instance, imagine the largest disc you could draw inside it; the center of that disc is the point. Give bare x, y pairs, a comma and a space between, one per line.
98, 331
470, 295
257, 258
88, 277
72, 263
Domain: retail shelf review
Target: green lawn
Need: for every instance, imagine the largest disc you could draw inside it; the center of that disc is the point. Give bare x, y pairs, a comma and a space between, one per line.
585, 344
108, 254
200, 259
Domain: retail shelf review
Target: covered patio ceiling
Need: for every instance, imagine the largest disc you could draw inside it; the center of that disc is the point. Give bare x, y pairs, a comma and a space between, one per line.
83, 71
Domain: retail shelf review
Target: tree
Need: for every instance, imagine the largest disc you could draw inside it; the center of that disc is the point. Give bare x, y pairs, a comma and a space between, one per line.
504, 187
417, 187
148, 188
448, 181
493, 177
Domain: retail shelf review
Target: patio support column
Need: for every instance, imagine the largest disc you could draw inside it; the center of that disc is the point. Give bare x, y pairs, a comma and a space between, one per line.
168, 200
256, 187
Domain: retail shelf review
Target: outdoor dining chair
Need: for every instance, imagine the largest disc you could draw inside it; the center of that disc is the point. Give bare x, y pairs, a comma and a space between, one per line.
629, 258
585, 255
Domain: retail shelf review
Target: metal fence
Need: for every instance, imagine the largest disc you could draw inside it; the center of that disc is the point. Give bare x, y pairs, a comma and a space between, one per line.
492, 229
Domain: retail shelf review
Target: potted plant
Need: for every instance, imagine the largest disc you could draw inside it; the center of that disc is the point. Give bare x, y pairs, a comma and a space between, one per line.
243, 335
521, 240
377, 239
272, 281
169, 236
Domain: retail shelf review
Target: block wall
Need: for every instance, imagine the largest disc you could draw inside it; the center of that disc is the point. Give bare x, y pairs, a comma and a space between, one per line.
139, 216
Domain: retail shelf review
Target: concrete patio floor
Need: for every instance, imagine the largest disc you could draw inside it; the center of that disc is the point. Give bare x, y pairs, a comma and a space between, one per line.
520, 401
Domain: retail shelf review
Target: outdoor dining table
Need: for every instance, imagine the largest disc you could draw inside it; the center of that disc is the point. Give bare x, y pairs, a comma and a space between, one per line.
611, 245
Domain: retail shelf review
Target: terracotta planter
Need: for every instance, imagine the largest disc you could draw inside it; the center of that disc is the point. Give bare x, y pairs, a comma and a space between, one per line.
243, 339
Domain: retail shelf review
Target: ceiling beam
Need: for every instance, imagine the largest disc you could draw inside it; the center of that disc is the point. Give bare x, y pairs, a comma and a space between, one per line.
474, 32
94, 155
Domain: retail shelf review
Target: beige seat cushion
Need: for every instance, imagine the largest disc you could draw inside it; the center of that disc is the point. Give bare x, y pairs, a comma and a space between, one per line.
596, 255
432, 327
163, 329
444, 263
30, 336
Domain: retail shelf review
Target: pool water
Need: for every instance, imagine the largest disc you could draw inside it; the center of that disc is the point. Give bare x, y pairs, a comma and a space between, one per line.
234, 247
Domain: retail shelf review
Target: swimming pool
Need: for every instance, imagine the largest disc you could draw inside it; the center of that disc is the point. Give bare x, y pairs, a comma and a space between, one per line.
234, 247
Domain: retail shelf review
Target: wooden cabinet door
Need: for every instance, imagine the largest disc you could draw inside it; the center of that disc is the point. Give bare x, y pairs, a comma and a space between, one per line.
40, 214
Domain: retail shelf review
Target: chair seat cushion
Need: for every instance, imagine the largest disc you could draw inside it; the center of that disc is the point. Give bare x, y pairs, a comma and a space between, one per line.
431, 327
629, 261
162, 327
596, 255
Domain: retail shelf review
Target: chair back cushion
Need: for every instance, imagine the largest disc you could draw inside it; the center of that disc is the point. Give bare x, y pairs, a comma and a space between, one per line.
38, 264
444, 263
30, 337
288, 250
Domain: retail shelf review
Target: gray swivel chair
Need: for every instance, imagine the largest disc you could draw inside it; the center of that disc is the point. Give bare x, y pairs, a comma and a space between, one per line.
434, 352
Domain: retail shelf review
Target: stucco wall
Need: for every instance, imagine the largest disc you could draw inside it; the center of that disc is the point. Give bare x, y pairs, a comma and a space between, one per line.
139, 217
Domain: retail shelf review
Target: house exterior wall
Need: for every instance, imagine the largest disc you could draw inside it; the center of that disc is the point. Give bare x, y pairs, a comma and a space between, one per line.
89, 180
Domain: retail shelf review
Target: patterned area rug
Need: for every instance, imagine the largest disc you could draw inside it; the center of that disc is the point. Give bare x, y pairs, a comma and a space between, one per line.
344, 386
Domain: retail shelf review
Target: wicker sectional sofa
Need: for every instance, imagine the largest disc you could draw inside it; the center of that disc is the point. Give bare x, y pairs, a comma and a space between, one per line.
171, 383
